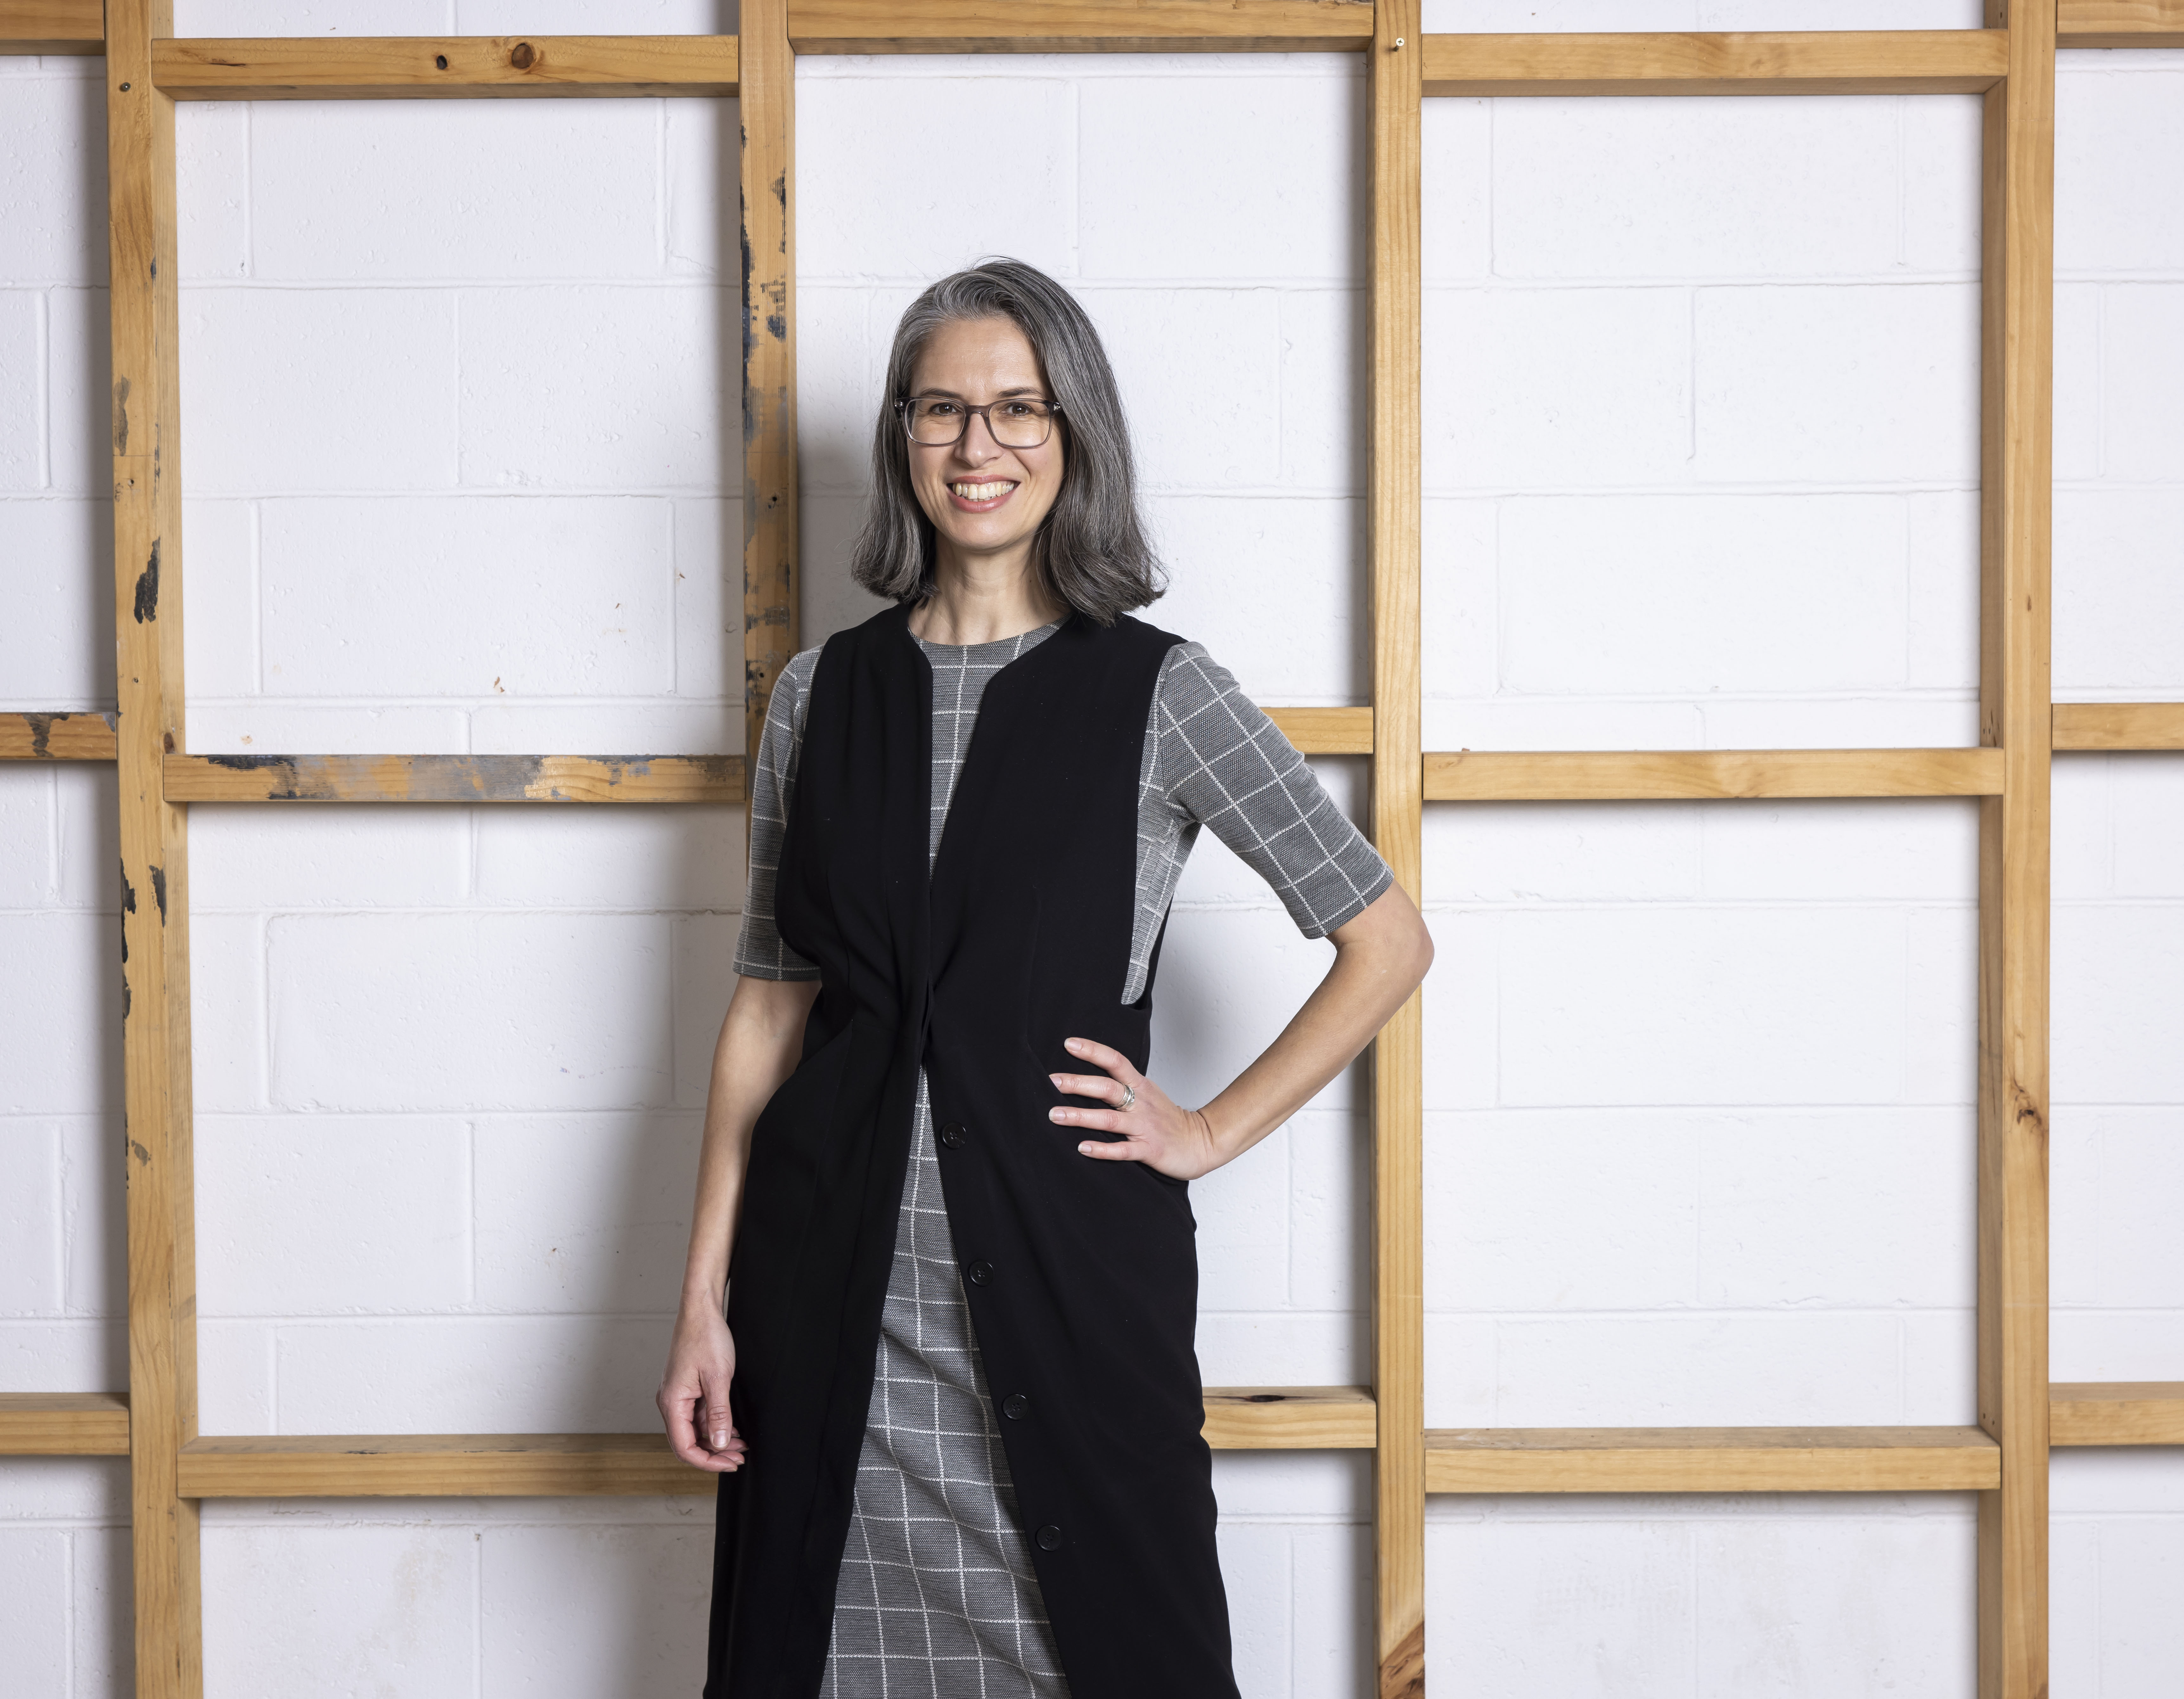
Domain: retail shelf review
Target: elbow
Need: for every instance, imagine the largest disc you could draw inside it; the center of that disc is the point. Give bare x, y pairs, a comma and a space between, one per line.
1421, 952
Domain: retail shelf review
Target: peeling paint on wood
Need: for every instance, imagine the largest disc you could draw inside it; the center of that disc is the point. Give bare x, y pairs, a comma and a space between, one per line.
147, 588
453, 778
57, 737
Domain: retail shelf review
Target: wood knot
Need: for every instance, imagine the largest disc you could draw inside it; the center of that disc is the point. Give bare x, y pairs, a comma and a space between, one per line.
522, 57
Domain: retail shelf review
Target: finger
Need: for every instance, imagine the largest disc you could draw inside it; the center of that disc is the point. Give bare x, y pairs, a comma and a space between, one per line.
1090, 1085
1103, 1120
682, 1431
1100, 1150
1105, 1056
718, 1427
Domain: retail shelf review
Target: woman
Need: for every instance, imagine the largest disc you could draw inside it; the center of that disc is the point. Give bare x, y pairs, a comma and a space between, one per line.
952, 1401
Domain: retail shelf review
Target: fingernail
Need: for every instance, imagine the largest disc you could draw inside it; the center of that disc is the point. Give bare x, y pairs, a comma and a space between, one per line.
1055, 1078
1054, 1114
1085, 1150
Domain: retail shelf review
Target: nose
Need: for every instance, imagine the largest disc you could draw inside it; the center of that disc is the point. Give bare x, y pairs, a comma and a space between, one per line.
972, 451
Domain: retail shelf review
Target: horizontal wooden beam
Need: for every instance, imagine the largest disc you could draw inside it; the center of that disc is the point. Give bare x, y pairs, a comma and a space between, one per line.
2118, 725
1689, 774
1326, 731
52, 26
1711, 1460
2119, 23
64, 1425
1079, 26
2115, 1413
1806, 62
56, 737
445, 67
554, 1465
1290, 1419
436, 1466
454, 778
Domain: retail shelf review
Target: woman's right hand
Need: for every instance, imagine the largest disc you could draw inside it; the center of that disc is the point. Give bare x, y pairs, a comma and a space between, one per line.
694, 1393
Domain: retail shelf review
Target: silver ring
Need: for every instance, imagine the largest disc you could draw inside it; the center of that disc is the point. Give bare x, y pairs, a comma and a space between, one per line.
1130, 1096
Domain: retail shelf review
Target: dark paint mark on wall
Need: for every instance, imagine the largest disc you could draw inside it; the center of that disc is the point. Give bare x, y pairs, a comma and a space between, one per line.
160, 892
41, 732
148, 587
143, 1157
121, 415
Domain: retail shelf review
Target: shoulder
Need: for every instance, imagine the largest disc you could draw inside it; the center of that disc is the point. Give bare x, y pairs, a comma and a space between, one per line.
792, 690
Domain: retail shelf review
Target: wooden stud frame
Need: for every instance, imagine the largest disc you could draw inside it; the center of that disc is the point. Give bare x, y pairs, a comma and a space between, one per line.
2010, 64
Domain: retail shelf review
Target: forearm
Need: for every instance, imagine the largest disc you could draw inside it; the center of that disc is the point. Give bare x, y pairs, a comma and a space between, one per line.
761, 1038
1380, 957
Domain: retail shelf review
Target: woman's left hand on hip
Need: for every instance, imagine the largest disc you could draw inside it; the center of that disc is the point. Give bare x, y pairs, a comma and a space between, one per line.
1155, 1130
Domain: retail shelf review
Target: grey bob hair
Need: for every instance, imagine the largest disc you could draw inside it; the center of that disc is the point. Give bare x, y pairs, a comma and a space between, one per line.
1091, 552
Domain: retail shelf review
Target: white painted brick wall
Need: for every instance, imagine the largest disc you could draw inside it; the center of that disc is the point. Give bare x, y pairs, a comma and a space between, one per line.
1699, 466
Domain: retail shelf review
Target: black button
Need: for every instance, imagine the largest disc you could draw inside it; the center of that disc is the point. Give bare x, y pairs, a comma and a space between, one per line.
981, 1272
1049, 1538
952, 1135
1016, 1406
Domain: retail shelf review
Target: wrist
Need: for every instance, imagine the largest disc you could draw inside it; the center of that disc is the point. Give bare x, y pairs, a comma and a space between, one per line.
705, 1298
1215, 1144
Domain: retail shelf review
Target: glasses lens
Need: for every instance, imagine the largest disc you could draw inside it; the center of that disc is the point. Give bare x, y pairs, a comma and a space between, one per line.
1021, 422
935, 420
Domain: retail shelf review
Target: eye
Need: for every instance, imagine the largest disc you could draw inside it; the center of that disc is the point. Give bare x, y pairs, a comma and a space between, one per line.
1020, 409
937, 409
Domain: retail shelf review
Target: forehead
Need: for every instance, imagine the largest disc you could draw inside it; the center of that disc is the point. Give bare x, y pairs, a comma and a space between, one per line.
970, 357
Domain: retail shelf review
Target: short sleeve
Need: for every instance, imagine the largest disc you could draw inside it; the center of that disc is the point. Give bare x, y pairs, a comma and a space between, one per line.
1224, 764
759, 953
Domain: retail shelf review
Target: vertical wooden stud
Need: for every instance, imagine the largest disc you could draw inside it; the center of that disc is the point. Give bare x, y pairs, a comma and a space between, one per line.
1393, 499
2015, 710
767, 107
155, 984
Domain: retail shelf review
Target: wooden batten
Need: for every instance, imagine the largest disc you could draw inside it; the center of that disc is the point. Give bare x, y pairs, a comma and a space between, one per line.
145, 437
442, 67
56, 737
1289, 1418
1699, 774
1326, 731
453, 778
58, 27
1395, 505
556, 1465
2120, 23
2118, 725
2016, 715
1079, 26
1525, 1460
1805, 61
770, 539
64, 1425
2116, 1412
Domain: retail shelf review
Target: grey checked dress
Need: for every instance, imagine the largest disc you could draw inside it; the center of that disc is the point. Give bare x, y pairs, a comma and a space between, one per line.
936, 1597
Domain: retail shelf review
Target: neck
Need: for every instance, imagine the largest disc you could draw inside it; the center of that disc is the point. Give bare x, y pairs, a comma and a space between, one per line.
982, 599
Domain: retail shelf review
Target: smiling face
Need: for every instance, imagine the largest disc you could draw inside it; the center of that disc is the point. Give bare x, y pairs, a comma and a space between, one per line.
985, 502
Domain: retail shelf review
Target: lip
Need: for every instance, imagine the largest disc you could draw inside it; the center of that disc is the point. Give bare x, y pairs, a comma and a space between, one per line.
986, 507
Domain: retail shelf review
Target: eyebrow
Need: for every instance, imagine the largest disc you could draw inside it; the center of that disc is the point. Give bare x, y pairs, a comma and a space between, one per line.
954, 395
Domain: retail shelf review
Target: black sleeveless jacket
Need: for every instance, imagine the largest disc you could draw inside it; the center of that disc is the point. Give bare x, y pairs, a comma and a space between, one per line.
1082, 1275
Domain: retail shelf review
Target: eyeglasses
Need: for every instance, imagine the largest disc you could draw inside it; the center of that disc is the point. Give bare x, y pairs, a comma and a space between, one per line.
934, 421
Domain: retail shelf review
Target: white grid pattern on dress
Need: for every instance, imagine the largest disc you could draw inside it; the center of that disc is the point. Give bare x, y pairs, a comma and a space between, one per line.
1213, 759
936, 1597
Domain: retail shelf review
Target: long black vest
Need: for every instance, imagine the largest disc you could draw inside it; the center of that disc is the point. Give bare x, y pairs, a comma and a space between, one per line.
1082, 1275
